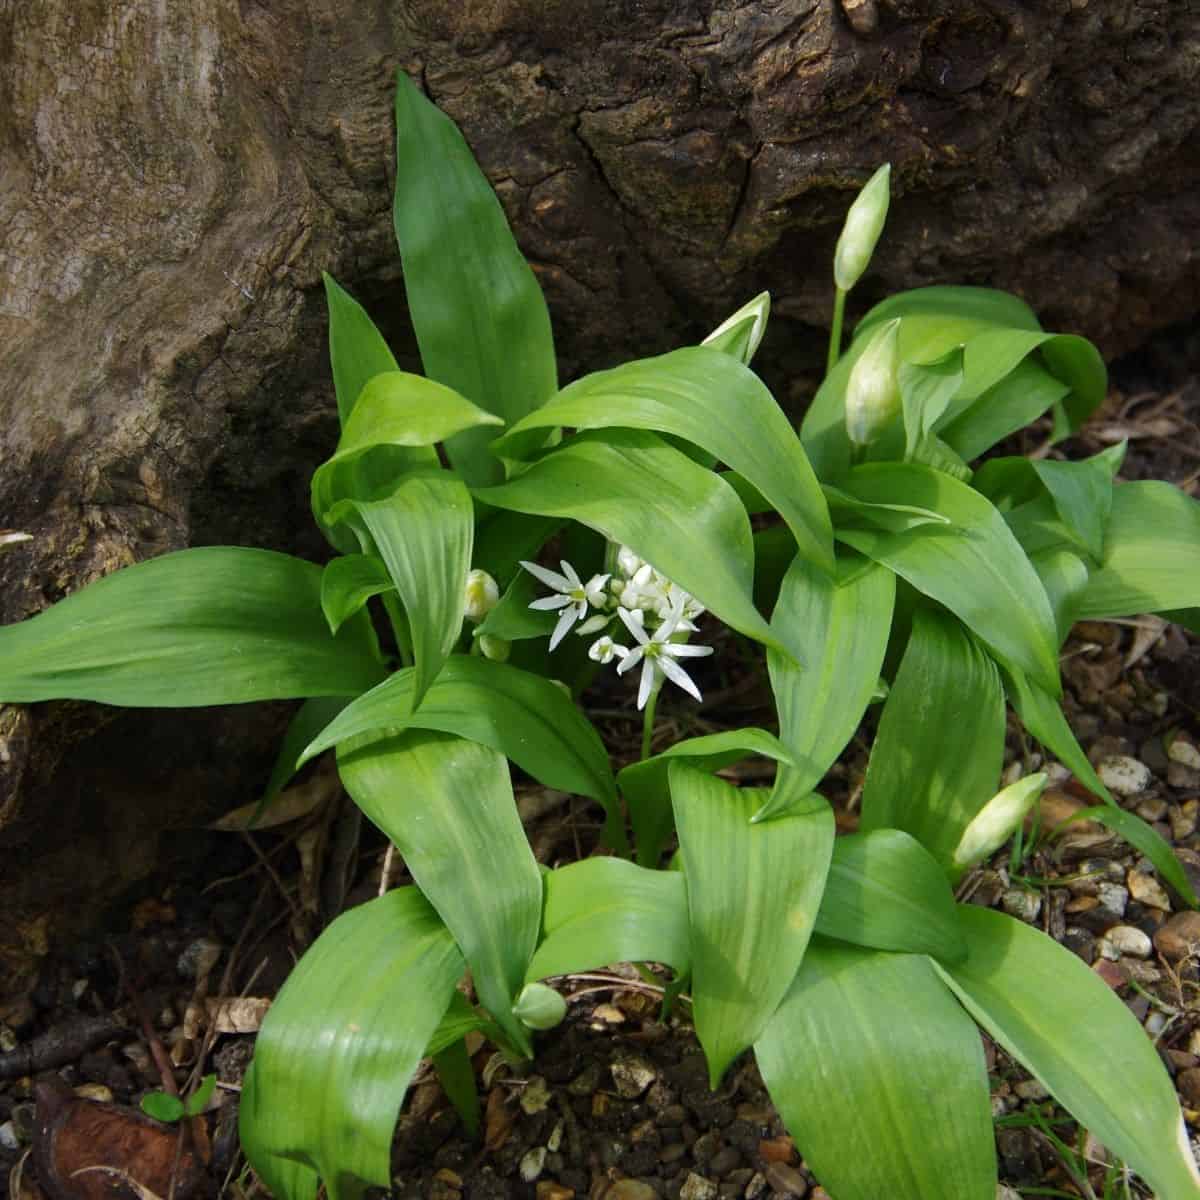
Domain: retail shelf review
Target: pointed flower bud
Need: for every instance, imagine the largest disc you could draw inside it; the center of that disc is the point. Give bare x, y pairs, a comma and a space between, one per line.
496, 648
864, 224
740, 334
873, 389
997, 821
482, 593
539, 1006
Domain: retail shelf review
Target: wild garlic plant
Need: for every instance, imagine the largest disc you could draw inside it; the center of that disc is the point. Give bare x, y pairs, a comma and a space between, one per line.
433, 649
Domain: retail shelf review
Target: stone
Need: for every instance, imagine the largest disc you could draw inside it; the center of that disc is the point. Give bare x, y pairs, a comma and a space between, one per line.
725, 1161
549, 1189
95, 1091
535, 1096
1184, 819
786, 1180
756, 1186
632, 1075
1188, 1084
1031, 1089
1022, 904
696, 1187
706, 1146
672, 1152
8, 1137
777, 1149
1179, 935
630, 1189
1182, 750
532, 1164
1113, 897
1125, 939
1123, 774
1147, 890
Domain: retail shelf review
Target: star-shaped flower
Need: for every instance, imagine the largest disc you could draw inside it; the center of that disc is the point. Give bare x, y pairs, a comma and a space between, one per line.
574, 596
657, 653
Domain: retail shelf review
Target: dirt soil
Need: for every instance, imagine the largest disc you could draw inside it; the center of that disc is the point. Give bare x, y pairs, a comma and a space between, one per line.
616, 1104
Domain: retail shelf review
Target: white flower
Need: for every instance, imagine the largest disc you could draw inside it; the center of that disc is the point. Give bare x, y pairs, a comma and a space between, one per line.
604, 650
482, 594
574, 596
657, 653
628, 562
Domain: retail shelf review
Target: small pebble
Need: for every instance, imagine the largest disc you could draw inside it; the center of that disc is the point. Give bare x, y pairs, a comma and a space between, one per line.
198, 958
632, 1075
696, 1187
1183, 751
1188, 1083
8, 1039
786, 1180
1153, 808
1184, 819
94, 1091
777, 1149
706, 1146
1023, 905
1113, 896
671, 1153
532, 1164
8, 1137
587, 1081
756, 1186
535, 1096
725, 1161
630, 1189
608, 1014
1155, 1022
1125, 939
555, 1139
24, 1119
1146, 889
1179, 935
1124, 775
1179, 776
547, 1189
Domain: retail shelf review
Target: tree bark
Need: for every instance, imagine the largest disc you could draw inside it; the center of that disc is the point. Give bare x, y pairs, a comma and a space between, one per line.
175, 177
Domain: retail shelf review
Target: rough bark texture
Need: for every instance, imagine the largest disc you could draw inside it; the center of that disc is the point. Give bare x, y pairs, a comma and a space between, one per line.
175, 176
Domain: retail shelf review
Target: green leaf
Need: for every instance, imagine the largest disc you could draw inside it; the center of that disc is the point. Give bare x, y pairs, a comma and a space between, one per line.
1151, 557
753, 893
842, 628
521, 715
348, 582
424, 532
975, 567
638, 491
457, 1077
479, 315
217, 625
340, 1044
645, 786
1082, 494
606, 910
1144, 838
512, 619
1042, 715
940, 746
1029, 994
162, 1107
448, 806
357, 350
503, 539
1064, 575
461, 1018
200, 1097
983, 306
886, 891
713, 401
880, 1078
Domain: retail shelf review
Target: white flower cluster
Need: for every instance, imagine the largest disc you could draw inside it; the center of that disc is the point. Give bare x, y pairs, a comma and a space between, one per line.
654, 611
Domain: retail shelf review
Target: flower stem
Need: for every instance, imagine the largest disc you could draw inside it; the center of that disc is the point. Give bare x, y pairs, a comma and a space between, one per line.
648, 723
835, 332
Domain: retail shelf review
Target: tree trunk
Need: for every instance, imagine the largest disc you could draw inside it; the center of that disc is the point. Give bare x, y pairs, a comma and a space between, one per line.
176, 176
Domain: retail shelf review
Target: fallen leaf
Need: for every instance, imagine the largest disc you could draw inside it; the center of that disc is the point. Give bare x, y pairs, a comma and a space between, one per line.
236, 1014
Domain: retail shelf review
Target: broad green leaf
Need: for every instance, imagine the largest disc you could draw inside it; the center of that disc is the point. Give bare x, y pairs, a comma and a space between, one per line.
712, 400
1008, 405
1042, 716
479, 315
402, 414
448, 806
340, 1044
521, 715
880, 1078
886, 891
423, 532
636, 490
214, 625
753, 893
926, 390
606, 910
940, 746
1146, 839
503, 539
1151, 554
512, 619
1082, 494
645, 786
984, 306
842, 627
357, 350
1050, 1012
851, 513
1064, 575
461, 1018
162, 1106
348, 582
975, 567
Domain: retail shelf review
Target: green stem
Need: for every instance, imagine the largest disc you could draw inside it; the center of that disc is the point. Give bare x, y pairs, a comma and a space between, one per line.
835, 332
648, 723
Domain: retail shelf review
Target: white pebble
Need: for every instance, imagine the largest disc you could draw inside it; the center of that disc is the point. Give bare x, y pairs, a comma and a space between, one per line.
1182, 751
1124, 775
8, 1137
1125, 939
532, 1164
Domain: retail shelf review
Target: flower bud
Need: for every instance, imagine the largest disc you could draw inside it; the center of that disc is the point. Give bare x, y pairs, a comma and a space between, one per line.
873, 389
482, 595
864, 224
495, 648
997, 821
740, 334
539, 1006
